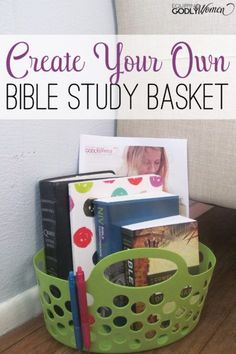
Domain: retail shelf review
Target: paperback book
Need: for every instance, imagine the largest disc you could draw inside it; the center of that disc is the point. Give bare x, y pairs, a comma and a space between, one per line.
178, 234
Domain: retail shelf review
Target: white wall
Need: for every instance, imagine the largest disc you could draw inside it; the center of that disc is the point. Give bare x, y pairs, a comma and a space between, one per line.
56, 17
36, 149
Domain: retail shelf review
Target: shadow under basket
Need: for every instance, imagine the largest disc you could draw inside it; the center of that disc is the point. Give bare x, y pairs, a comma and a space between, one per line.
168, 311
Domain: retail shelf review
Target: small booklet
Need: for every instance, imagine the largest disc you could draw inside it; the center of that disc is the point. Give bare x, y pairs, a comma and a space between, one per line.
178, 234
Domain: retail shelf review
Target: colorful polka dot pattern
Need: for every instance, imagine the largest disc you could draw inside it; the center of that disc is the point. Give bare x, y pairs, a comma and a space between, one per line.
81, 211
156, 181
109, 181
119, 192
83, 237
71, 203
135, 180
83, 187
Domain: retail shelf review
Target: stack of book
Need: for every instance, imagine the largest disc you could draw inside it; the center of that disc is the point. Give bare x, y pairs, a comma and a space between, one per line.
80, 228
142, 221
89, 216
68, 222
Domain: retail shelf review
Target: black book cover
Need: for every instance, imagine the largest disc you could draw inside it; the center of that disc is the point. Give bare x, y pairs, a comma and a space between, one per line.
56, 221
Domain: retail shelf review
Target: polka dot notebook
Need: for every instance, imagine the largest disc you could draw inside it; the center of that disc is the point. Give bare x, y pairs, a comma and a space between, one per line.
81, 196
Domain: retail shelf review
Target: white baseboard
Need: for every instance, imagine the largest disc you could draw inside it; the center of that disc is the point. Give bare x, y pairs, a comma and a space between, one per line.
19, 309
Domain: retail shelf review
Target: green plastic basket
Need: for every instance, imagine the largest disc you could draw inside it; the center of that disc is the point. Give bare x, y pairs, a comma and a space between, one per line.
168, 311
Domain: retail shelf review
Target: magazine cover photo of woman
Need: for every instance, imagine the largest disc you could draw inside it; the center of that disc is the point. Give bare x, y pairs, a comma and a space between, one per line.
143, 160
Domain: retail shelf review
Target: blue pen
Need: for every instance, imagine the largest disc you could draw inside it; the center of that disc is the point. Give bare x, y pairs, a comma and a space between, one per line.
75, 311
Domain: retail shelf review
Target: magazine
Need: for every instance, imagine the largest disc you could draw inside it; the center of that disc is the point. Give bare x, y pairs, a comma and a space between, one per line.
128, 156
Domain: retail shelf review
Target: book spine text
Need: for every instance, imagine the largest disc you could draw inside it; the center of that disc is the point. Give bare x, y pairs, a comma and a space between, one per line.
48, 211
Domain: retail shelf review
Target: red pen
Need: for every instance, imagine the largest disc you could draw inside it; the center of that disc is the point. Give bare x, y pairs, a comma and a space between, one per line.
82, 299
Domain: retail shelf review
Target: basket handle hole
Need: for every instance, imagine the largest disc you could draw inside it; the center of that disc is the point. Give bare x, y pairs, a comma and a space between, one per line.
136, 272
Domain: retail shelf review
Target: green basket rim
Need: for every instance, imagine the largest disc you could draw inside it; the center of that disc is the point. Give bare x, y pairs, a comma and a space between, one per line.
136, 251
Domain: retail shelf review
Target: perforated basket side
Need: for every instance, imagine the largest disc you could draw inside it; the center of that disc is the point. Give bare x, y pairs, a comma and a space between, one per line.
166, 312
55, 300
127, 319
